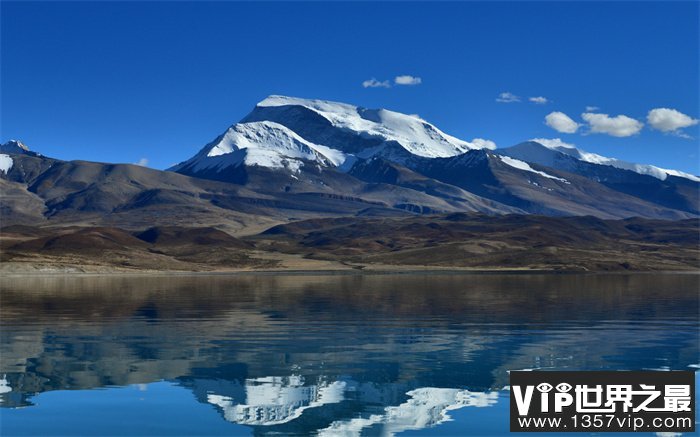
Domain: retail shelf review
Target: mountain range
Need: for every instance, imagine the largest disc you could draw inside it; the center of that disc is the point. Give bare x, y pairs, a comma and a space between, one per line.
295, 159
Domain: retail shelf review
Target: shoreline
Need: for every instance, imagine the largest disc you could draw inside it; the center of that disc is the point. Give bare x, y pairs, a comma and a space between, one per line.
400, 270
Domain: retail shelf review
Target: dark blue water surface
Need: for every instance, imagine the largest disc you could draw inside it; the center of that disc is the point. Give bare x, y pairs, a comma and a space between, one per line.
318, 355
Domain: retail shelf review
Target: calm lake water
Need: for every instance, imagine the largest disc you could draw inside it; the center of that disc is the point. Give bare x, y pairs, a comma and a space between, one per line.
325, 355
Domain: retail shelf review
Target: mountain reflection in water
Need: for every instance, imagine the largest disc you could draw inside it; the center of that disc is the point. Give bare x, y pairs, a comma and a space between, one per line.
331, 355
276, 400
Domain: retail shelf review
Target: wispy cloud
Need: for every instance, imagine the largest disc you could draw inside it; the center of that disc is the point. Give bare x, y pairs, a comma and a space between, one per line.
539, 100
561, 122
670, 121
618, 126
374, 83
681, 134
398, 80
592, 108
407, 80
143, 162
506, 97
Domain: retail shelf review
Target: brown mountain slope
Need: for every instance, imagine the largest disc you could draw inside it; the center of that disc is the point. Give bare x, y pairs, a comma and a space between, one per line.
40, 190
92, 248
480, 241
453, 241
549, 192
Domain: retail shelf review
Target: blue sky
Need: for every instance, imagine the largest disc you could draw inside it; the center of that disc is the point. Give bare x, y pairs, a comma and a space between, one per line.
121, 82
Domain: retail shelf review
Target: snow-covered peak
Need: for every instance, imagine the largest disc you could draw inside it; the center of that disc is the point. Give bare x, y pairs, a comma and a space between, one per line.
265, 144
332, 110
284, 132
14, 146
319, 105
18, 144
412, 132
537, 151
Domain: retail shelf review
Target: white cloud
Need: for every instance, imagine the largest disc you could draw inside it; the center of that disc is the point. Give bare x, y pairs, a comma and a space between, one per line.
481, 143
507, 97
670, 121
553, 143
143, 162
618, 126
561, 122
539, 100
681, 134
407, 80
592, 108
374, 83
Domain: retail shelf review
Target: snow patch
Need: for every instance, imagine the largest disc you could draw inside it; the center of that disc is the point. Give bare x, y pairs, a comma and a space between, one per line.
681, 174
5, 163
522, 165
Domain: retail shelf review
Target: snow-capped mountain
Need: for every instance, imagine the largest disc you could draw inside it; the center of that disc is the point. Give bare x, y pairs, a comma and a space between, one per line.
670, 188
303, 146
549, 152
285, 132
295, 158
537, 189
16, 147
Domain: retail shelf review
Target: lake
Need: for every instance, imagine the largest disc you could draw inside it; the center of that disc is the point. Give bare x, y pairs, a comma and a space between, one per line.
418, 354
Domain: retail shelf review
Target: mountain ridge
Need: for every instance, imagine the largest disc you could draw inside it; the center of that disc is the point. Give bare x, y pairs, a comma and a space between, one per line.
287, 188
292, 159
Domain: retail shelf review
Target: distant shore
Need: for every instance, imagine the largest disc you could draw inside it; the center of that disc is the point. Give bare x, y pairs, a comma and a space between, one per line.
367, 270
441, 243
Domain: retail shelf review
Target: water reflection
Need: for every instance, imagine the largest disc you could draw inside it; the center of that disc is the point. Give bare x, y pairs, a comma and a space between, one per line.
334, 354
426, 408
275, 400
